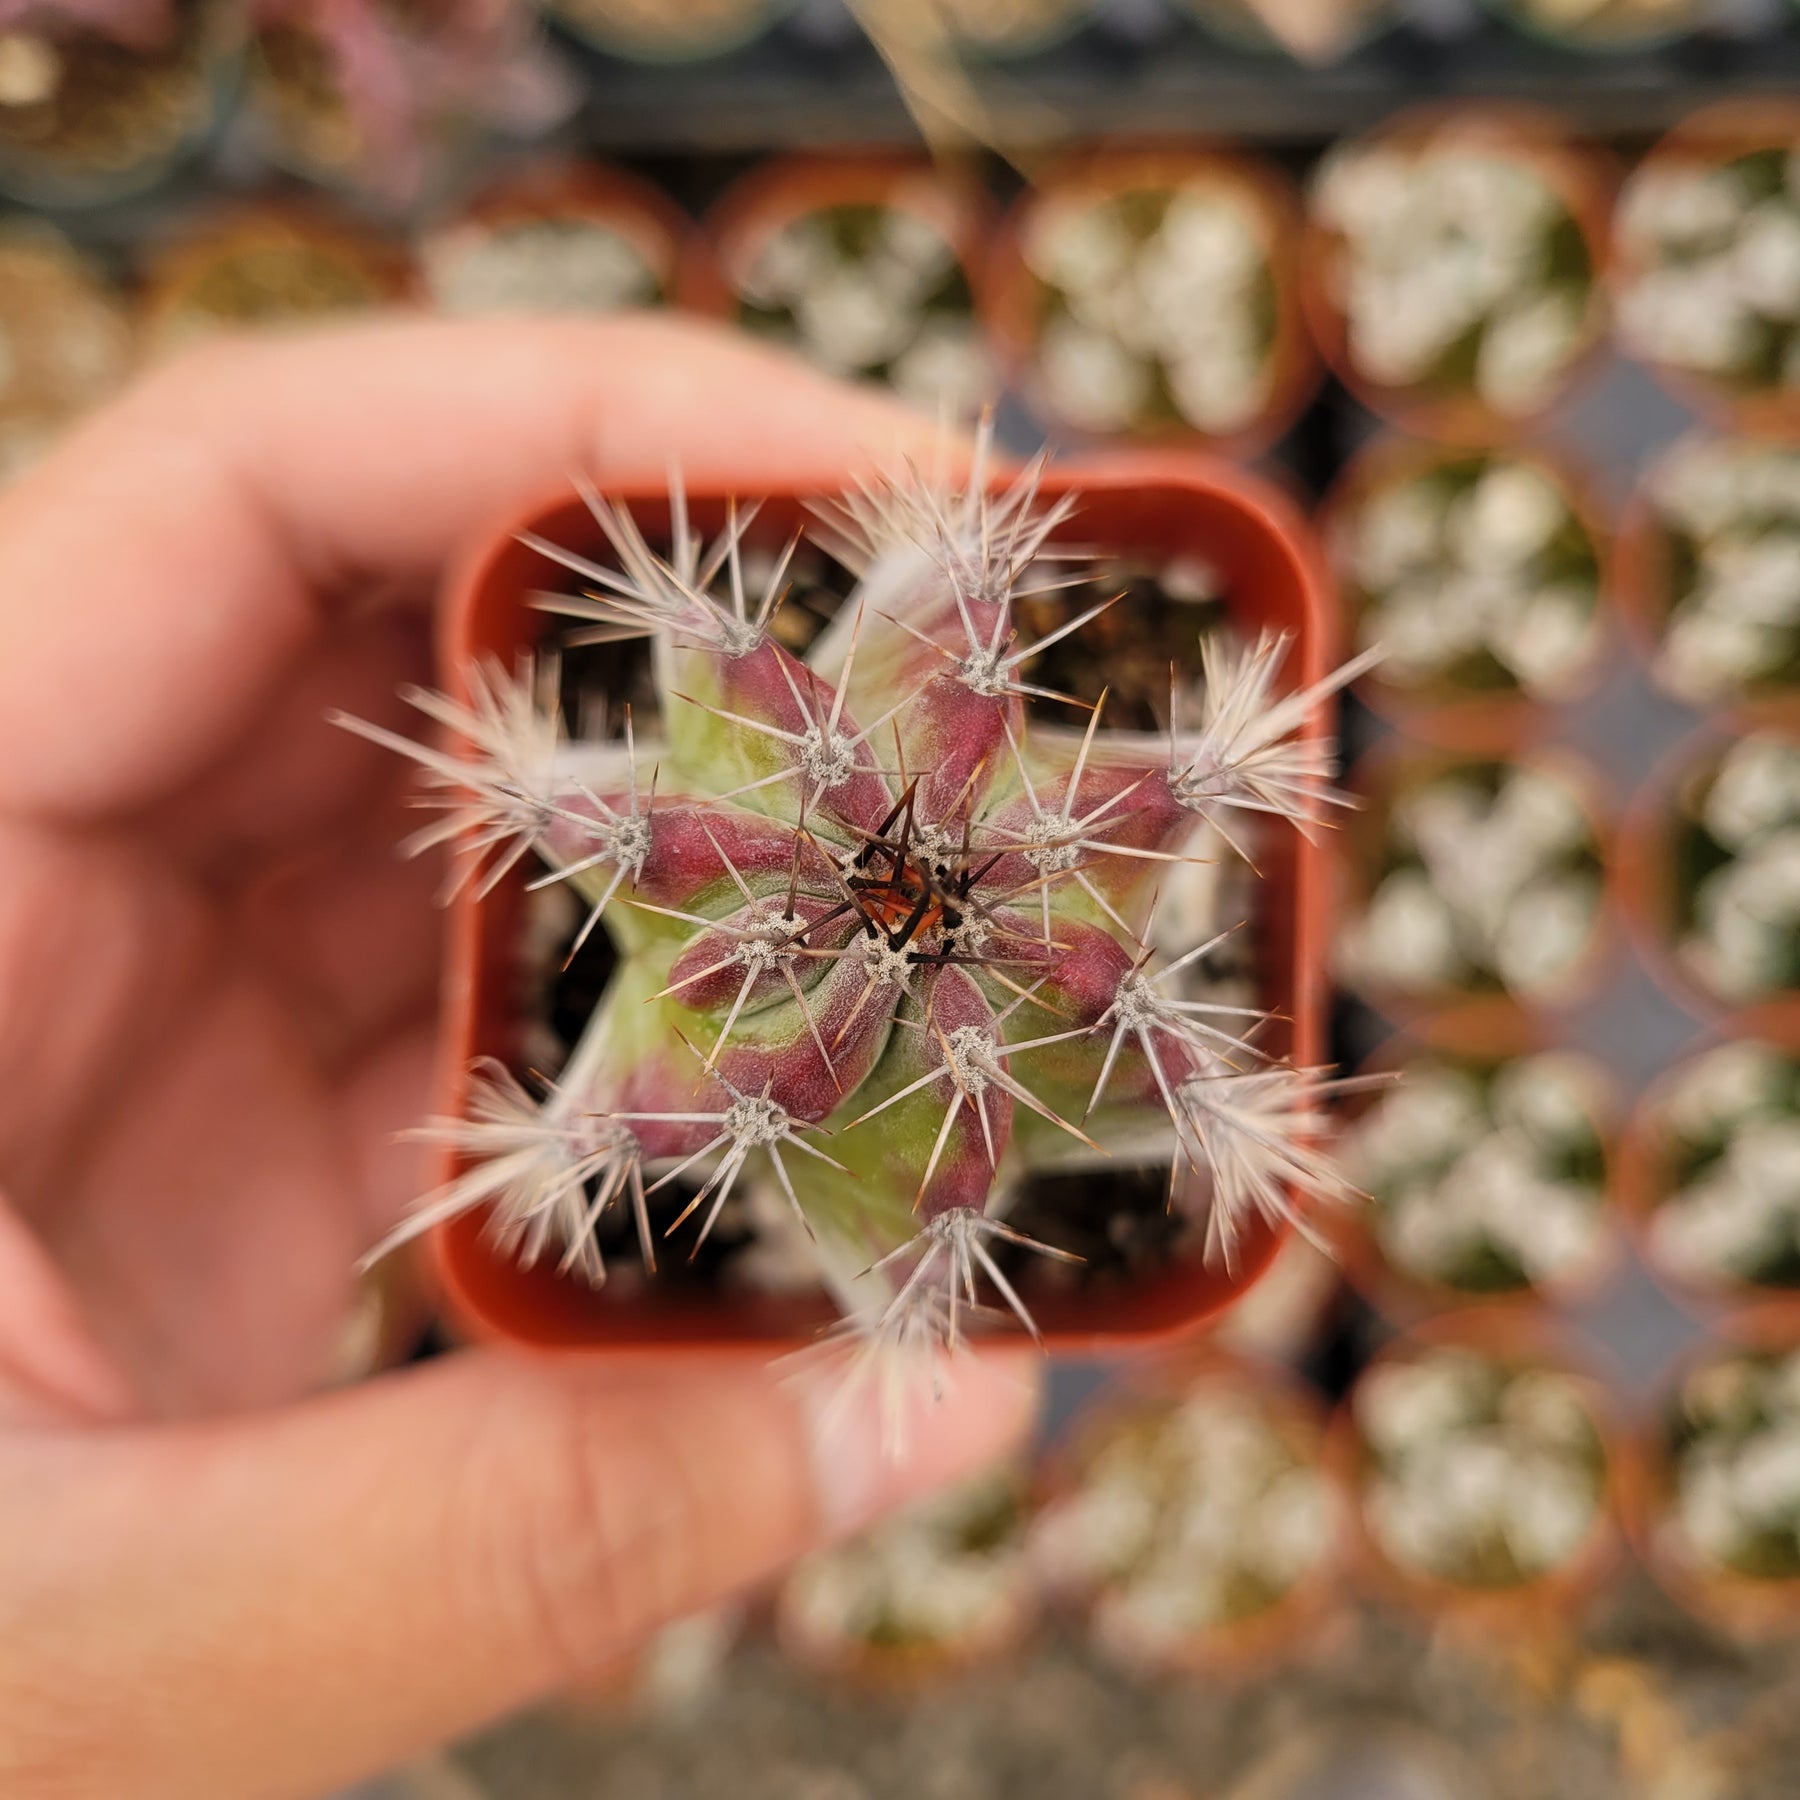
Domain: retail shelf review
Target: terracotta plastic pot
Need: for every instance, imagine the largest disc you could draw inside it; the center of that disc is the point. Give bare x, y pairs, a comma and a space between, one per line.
585, 193
226, 272
1012, 294
1644, 579
1741, 1606
778, 192
1442, 711
1244, 1650
1715, 135
1549, 1604
1167, 506
1577, 173
1647, 1150
1646, 891
1405, 1296
1460, 1019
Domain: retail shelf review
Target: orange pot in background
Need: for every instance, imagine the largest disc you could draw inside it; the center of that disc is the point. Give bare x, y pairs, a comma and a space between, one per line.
1645, 891
1164, 506
1551, 1604
1011, 291
783, 189
1149, 1389
1743, 1607
1459, 1018
268, 263
1454, 714
1715, 135
662, 234
1644, 1179
901, 1670
1579, 173
1643, 582
1402, 1295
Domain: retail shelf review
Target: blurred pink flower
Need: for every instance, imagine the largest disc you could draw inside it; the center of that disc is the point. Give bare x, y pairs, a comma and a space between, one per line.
138, 24
404, 71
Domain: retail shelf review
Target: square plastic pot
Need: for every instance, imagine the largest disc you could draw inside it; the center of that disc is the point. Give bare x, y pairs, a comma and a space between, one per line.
1151, 508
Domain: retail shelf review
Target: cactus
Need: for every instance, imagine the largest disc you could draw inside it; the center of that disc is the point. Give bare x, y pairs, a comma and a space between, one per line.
880, 934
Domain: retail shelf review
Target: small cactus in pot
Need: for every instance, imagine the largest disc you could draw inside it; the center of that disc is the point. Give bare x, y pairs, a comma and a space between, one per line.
886, 920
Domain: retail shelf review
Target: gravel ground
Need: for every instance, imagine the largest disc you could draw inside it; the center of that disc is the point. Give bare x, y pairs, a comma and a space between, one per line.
1643, 1705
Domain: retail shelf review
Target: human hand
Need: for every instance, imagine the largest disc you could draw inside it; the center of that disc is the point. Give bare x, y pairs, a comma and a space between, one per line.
216, 988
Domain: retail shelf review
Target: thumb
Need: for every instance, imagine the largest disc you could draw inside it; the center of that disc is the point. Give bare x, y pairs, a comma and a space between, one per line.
280, 1605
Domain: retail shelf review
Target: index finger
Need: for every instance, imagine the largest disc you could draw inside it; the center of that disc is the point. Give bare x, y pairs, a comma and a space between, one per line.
165, 566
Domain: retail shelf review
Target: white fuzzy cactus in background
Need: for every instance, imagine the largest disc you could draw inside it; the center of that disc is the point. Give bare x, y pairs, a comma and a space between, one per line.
871, 289
1476, 570
1737, 1464
948, 1576
1190, 1519
1461, 268
1743, 941
1488, 1180
1155, 304
554, 262
1729, 1124
1489, 877
1730, 513
1714, 250
884, 933
1480, 1473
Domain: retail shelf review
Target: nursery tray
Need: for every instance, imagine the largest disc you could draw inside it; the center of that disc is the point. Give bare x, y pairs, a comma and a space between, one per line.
1138, 71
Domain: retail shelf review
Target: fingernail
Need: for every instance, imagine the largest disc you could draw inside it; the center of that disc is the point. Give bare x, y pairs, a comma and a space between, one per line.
870, 1456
